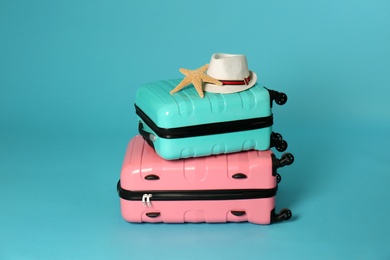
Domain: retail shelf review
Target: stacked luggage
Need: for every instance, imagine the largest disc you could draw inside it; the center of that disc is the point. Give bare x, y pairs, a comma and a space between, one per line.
205, 159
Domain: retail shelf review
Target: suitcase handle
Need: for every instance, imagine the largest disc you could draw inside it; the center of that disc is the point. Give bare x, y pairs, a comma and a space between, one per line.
152, 214
239, 175
151, 177
148, 137
238, 213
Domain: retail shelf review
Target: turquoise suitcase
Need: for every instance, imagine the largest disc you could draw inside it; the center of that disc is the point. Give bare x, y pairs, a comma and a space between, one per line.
183, 125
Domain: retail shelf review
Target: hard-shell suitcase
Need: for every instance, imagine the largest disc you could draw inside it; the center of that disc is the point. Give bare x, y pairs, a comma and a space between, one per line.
182, 125
232, 187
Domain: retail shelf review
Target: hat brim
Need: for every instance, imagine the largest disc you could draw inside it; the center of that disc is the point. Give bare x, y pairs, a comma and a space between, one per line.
226, 89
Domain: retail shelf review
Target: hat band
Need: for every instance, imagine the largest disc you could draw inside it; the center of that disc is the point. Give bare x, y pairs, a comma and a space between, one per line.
236, 82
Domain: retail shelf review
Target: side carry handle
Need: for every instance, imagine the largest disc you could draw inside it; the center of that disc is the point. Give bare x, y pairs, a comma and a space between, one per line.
151, 177
148, 137
152, 214
238, 213
280, 98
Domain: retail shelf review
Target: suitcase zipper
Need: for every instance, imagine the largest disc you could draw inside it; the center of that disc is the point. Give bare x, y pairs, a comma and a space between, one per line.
146, 200
145, 196
206, 129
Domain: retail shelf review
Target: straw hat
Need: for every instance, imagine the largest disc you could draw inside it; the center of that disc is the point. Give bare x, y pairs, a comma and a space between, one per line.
232, 70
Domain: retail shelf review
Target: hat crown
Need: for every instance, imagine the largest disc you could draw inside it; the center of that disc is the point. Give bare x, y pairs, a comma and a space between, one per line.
228, 66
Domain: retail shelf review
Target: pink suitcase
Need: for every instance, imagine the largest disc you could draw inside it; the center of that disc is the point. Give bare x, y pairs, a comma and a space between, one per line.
232, 187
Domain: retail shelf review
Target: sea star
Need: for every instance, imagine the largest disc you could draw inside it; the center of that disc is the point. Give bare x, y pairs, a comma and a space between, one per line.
196, 77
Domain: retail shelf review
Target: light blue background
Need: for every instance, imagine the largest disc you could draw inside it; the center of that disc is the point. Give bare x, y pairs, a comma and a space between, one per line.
68, 75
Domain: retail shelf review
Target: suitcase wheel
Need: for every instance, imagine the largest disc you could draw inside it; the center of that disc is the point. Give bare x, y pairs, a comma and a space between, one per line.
282, 146
278, 142
277, 136
281, 98
286, 159
284, 214
153, 214
278, 178
238, 213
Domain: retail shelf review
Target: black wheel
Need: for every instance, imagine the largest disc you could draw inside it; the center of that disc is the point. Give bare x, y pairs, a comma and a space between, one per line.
277, 136
281, 99
284, 214
281, 146
278, 178
287, 159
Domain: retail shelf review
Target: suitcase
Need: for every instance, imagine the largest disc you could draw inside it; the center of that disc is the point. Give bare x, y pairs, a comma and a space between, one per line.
183, 125
232, 187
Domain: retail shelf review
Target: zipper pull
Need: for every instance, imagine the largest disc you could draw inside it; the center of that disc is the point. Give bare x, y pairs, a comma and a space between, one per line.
146, 200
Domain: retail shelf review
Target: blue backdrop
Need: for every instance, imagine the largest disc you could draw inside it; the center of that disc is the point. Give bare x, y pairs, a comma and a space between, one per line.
68, 75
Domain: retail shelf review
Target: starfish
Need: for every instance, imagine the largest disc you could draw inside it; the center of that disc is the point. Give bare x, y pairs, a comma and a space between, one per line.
196, 77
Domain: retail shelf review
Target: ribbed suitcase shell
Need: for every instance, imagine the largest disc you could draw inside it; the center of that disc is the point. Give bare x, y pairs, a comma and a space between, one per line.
141, 166
257, 211
186, 109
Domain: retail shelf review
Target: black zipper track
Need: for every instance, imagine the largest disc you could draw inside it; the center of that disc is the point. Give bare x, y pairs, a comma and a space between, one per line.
206, 129
198, 194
